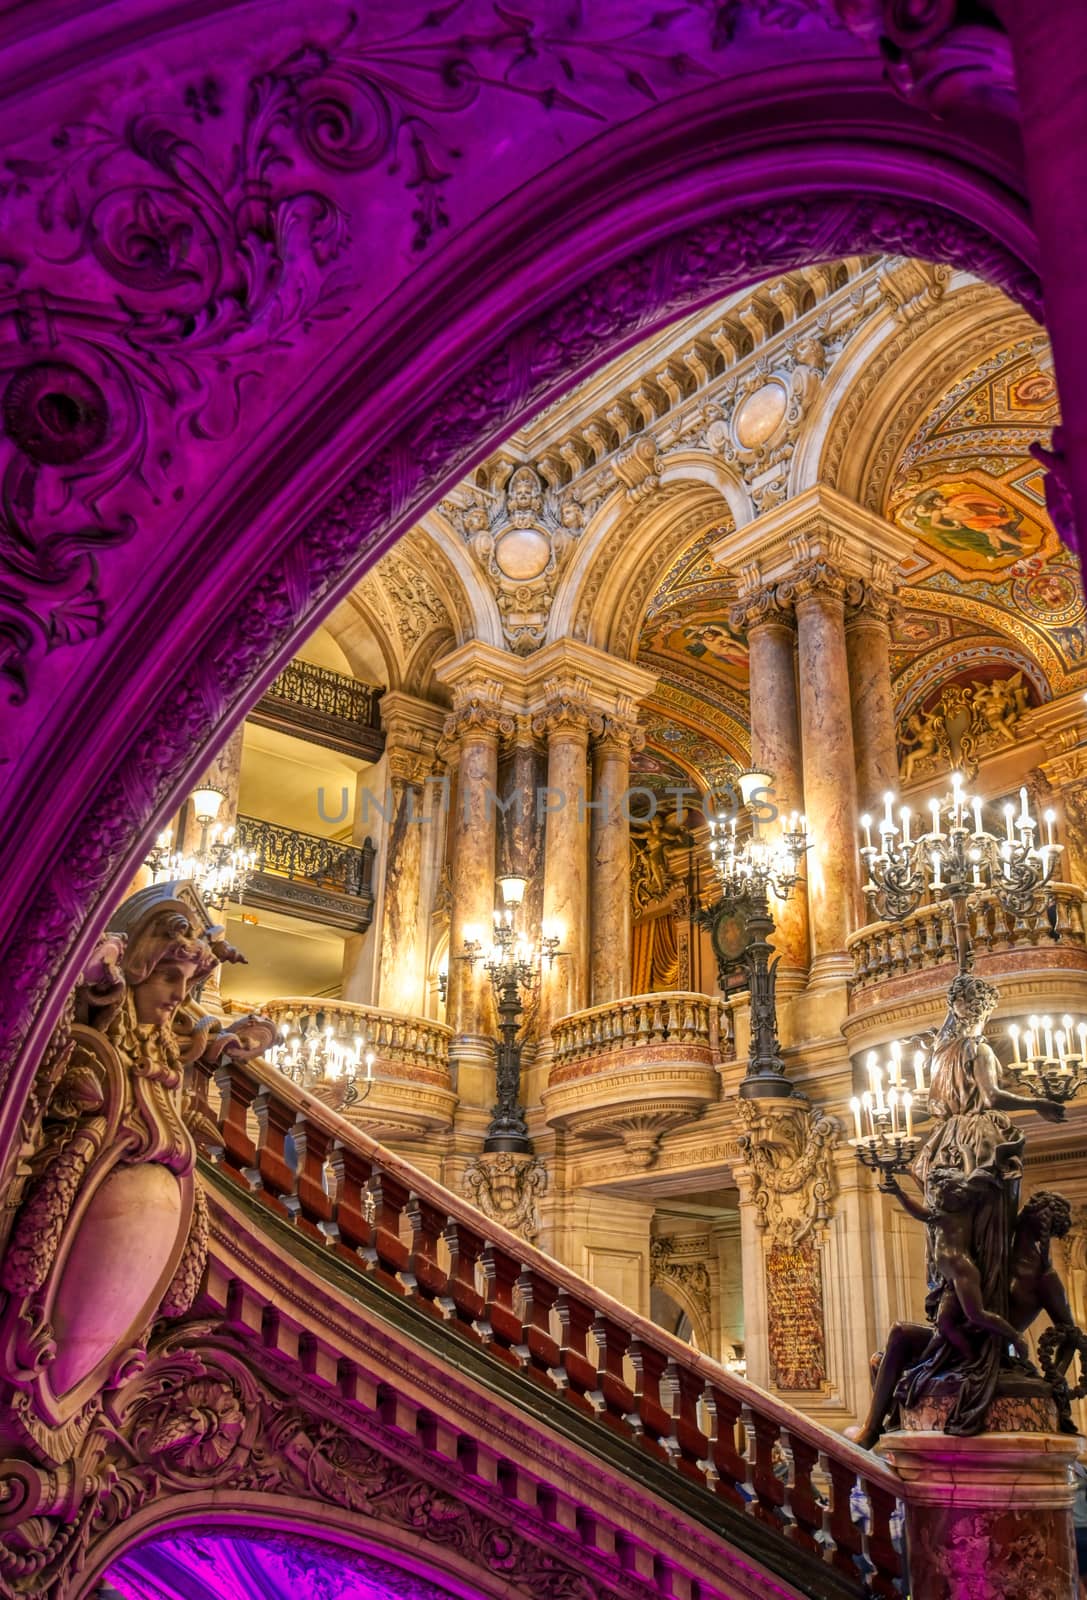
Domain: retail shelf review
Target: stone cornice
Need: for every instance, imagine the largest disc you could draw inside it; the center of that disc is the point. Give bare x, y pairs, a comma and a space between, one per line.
818, 526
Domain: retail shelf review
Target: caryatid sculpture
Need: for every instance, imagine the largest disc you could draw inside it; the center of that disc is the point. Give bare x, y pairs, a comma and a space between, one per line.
109, 1226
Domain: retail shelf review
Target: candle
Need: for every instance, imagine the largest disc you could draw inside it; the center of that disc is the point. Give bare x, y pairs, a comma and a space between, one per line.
934, 807
1009, 812
907, 1102
1082, 1031
976, 876
937, 881
866, 824
1047, 1024
1024, 814
1013, 1035
855, 1107
892, 1102
977, 815
881, 1104
1061, 1039
1028, 1050
905, 815
866, 1102
1050, 819
872, 1064
369, 1066
887, 825
895, 1069
919, 1070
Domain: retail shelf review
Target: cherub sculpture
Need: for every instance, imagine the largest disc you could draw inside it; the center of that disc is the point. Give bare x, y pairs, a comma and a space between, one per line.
651, 840
920, 738
1001, 703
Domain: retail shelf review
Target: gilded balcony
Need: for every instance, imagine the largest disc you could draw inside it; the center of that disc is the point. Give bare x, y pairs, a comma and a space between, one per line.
327, 708
411, 1094
634, 1068
307, 876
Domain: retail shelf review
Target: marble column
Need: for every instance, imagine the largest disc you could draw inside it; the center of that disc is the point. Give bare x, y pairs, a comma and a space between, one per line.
609, 855
868, 651
477, 722
1067, 775
775, 747
412, 729
830, 780
566, 719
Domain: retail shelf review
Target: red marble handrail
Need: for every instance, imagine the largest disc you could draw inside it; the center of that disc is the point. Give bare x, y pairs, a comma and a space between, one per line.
357, 1199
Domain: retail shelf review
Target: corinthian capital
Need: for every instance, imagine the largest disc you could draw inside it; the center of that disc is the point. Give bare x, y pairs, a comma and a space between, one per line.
567, 708
868, 602
620, 731
478, 707
761, 606
814, 580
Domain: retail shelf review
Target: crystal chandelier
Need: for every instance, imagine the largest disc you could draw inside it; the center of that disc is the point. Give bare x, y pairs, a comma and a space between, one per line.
217, 867
760, 865
311, 1055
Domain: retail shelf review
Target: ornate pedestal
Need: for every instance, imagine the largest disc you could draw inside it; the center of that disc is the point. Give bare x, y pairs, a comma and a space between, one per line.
988, 1518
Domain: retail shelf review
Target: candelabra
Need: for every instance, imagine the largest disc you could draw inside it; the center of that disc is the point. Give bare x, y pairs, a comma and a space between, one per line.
513, 963
316, 1055
1045, 1058
219, 870
954, 860
884, 1137
740, 921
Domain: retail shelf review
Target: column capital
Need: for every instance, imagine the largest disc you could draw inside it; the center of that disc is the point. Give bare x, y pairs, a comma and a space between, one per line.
479, 707
814, 580
765, 606
621, 730
818, 526
867, 602
413, 733
567, 707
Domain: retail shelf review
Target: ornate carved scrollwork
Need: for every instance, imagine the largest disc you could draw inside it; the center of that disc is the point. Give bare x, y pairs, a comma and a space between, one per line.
506, 1187
789, 1147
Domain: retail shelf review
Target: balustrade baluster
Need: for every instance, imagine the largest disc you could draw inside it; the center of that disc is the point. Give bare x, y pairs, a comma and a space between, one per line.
500, 1326
650, 1421
388, 1249
688, 1445
574, 1371
729, 1467
884, 1560
310, 1204
803, 1503
463, 1300
844, 1531
275, 1118
423, 1276
351, 1172
238, 1088
764, 1434
612, 1394
538, 1296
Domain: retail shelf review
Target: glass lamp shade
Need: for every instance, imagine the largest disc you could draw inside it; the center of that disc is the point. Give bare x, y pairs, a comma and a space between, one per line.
752, 781
512, 888
206, 803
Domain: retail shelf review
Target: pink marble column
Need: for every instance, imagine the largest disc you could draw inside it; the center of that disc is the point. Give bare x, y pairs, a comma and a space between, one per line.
566, 721
868, 650
472, 837
775, 747
830, 781
609, 854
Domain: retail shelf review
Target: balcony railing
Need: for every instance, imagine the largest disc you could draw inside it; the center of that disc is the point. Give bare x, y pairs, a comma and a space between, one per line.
635, 1068
327, 708
676, 1018
306, 876
363, 1210
926, 939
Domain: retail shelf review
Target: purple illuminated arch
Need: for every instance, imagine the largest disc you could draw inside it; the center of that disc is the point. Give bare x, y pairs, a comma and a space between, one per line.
798, 152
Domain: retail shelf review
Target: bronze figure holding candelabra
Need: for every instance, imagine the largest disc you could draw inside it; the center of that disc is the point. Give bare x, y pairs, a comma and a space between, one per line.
988, 1265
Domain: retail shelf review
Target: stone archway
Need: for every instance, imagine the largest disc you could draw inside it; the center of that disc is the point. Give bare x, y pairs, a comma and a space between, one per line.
711, 190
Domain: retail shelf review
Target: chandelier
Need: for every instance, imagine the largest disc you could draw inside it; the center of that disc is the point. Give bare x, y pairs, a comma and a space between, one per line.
1047, 1057
217, 867
752, 868
884, 1137
512, 961
312, 1055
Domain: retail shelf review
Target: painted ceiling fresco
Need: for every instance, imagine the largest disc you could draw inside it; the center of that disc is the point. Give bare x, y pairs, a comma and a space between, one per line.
991, 589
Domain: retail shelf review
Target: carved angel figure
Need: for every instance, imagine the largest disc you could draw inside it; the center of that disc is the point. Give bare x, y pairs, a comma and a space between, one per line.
920, 738
1001, 704
651, 840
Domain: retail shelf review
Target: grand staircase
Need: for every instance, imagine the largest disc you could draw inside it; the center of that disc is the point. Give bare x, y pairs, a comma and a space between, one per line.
415, 1371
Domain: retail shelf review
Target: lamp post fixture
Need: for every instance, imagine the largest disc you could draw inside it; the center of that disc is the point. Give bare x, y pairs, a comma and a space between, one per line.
513, 964
740, 921
219, 870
